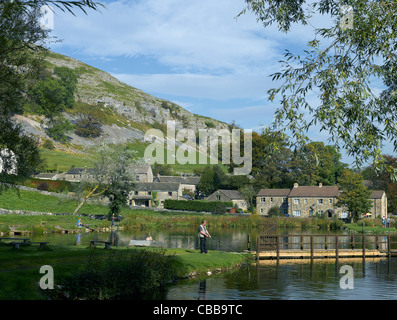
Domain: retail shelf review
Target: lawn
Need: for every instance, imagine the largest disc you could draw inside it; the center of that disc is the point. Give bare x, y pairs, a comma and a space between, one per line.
19, 269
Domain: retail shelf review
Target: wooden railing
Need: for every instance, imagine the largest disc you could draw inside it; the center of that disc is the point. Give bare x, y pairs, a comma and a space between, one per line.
361, 242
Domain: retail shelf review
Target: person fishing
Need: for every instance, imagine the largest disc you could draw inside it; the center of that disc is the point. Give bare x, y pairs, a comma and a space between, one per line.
203, 234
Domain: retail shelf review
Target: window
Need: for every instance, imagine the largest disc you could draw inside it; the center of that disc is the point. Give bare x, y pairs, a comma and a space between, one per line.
149, 193
263, 199
285, 200
218, 197
296, 201
271, 200
136, 193
170, 193
296, 213
261, 210
320, 201
330, 201
305, 201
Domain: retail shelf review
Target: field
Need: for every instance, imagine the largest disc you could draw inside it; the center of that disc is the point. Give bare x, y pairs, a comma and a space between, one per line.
61, 161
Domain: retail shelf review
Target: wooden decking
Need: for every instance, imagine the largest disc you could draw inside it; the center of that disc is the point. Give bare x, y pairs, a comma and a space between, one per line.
323, 246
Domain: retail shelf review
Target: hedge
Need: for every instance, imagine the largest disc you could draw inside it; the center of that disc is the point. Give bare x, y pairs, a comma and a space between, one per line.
198, 205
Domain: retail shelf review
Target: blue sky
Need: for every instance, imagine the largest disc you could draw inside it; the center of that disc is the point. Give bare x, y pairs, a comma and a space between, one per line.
193, 52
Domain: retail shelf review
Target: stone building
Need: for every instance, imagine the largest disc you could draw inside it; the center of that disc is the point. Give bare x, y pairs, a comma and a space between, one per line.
138, 172
307, 201
188, 183
229, 195
141, 172
153, 194
379, 200
268, 198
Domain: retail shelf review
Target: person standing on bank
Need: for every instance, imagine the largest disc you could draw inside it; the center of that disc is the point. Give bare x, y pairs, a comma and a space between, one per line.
203, 234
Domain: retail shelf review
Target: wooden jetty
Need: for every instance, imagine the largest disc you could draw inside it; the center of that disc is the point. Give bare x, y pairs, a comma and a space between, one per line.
323, 246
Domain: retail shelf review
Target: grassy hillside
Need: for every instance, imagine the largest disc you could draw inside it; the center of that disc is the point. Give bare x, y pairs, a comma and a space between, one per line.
61, 161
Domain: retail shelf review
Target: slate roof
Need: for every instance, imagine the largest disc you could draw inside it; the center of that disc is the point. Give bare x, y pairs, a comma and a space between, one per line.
311, 191
139, 168
314, 191
156, 186
273, 192
177, 179
377, 194
231, 194
79, 170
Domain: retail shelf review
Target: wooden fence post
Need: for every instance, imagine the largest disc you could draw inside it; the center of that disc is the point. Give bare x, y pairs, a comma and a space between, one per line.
388, 246
363, 245
336, 247
278, 247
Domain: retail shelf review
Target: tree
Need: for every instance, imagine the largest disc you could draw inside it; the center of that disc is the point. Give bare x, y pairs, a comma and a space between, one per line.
340, 63
382, 181
249, 194
88, 126
314, 163
58, 127
109, 177
22, 41
270, 159
353, 194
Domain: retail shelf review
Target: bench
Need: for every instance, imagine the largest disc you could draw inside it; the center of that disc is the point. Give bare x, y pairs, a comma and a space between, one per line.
42, 244
24, 240
93, 242
16, 243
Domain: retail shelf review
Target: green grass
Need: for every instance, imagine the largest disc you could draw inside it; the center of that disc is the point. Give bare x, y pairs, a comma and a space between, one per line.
19, 271
37, 202
63, 161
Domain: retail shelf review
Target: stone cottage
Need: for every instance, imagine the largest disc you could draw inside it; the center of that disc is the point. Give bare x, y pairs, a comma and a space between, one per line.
306, 201
152, 194
188, 183
229, 195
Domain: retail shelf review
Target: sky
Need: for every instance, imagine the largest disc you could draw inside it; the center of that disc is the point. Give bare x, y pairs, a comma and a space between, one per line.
196, 53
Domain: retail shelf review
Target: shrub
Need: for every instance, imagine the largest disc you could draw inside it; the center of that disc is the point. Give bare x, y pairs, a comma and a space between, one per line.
48, 144
43, 186
198, 205
141, 276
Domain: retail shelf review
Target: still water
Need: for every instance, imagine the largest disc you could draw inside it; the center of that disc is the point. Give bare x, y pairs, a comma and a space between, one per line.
373, 279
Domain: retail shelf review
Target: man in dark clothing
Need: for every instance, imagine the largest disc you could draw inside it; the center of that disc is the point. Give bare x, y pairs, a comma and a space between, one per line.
203, 234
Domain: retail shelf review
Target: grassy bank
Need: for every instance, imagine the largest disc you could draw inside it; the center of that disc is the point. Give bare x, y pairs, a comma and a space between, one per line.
19, 271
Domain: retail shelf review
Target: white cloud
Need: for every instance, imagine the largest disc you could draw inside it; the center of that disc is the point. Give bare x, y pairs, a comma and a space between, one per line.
181, 34
201, 86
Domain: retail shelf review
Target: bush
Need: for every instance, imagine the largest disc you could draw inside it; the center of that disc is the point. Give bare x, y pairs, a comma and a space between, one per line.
43, 186
48, 144
142, 276
218, 207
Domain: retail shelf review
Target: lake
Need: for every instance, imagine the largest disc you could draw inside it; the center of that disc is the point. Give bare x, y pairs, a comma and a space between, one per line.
372, 279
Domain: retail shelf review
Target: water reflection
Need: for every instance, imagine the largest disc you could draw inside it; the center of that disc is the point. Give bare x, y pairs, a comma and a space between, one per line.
269, 279
310, 280
202, 292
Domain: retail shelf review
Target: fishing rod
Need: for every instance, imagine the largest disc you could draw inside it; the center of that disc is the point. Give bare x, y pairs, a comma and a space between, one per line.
228, 248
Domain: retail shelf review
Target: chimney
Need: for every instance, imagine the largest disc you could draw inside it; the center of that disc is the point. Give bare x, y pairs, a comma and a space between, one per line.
296, 185
320, 185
